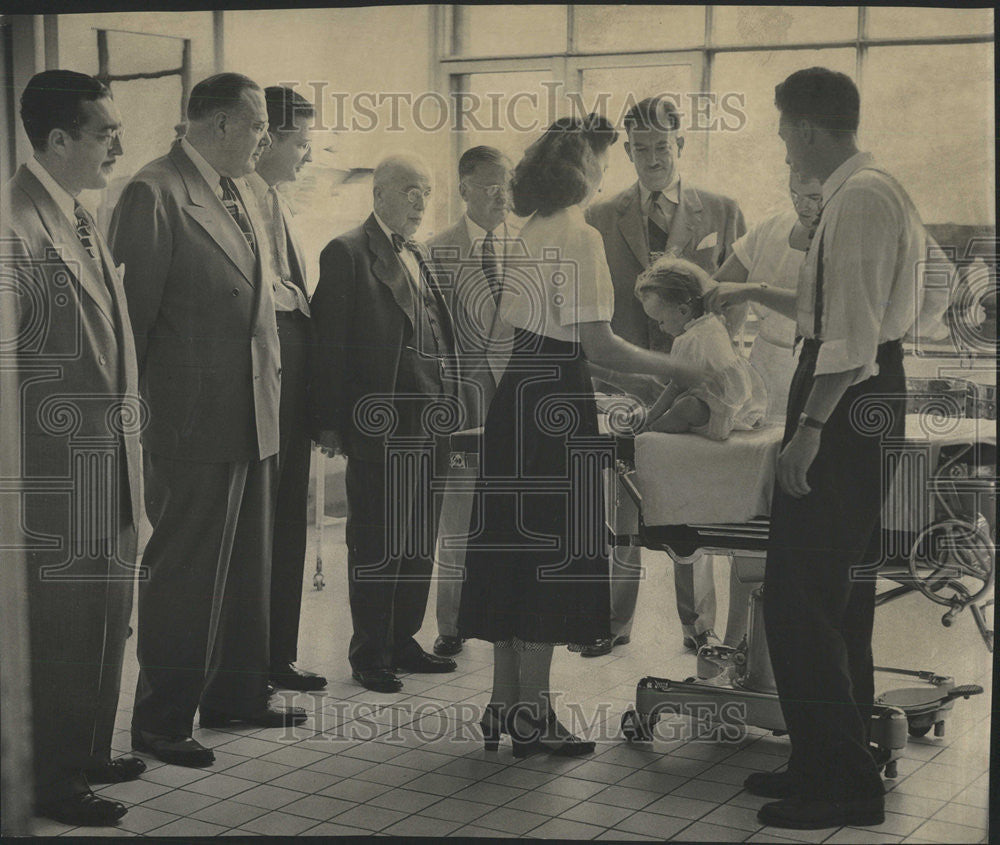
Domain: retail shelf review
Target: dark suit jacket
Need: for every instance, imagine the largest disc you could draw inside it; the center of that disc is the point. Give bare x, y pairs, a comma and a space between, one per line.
700, 215
363, 316
482, 339
205, 332
76, 365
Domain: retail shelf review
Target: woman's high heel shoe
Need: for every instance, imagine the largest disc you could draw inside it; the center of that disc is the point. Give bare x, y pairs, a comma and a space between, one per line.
570, 746
492, 726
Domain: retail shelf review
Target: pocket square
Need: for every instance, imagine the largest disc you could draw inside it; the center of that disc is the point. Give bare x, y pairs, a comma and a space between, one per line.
708, 241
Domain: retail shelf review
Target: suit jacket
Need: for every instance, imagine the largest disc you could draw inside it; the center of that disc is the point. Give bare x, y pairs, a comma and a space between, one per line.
76, 370
363, 316
700, 215
482, 339
205, 333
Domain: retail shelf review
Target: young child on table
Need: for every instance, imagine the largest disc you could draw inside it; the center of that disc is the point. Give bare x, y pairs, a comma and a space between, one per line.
734, 397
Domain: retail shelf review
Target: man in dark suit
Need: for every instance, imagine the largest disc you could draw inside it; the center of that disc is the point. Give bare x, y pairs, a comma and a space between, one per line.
470, 258
207, 347
290, 118
79, 431
660, 214
383, 378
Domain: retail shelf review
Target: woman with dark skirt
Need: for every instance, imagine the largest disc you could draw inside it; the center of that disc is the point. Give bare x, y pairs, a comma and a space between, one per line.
537, 554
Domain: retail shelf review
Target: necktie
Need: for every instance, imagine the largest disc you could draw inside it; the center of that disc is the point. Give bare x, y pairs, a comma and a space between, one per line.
818, 303
84, 230
234, 205
491, 267
657, 223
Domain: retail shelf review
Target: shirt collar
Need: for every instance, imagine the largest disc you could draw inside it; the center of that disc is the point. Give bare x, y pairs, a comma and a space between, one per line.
255, 182
63, 199
208, 173
847, 169
388, 232
672, 192
478, 233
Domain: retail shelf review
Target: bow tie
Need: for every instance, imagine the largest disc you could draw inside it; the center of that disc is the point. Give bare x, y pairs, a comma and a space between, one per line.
398, 242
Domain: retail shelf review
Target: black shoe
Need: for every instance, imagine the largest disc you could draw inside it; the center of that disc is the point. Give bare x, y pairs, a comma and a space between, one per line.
270, 717
289, 676
418, 660
773, 784
604, 646
115, 771
377, 680
545, 734
83, 810
705, 638
445, 646
814, 814
176, 749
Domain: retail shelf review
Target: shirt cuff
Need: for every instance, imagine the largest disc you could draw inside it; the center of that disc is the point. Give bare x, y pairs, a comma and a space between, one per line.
591, 314
837, 356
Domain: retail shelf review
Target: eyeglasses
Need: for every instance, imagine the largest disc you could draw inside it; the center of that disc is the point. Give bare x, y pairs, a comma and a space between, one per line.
414, 195
492, 191
109, 139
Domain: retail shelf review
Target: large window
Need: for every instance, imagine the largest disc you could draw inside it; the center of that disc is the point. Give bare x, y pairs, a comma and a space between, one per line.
926, 79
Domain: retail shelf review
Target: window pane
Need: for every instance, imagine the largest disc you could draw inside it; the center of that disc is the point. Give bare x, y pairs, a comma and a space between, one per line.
513, 110
617, 89
783, 24
749, 164
511, 30
901, 22
605, 28
934, 130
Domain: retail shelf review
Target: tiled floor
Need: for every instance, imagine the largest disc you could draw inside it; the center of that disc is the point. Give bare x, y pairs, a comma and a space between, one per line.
411, 764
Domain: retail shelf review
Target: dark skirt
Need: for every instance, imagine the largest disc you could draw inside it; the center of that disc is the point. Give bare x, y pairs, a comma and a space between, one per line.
537, 560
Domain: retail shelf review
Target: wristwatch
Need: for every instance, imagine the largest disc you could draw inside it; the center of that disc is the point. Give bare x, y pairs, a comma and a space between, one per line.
805, 421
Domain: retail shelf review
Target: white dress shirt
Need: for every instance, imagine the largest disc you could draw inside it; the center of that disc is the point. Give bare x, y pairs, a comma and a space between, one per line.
63, 199
406, 258
569, 281
668, 201
872, 249
477, 234
209, 173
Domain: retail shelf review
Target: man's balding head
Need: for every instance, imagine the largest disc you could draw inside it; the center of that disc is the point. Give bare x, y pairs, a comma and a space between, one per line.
402, 183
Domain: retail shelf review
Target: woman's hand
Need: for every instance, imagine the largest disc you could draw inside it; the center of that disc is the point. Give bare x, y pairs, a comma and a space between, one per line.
726, 295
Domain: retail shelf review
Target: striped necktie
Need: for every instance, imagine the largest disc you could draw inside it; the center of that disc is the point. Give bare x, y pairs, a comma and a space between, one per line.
234, 205
84, 229
657, 227
491, 267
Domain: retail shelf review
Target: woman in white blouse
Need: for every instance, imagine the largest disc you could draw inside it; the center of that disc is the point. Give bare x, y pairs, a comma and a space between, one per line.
772, 252
537, 559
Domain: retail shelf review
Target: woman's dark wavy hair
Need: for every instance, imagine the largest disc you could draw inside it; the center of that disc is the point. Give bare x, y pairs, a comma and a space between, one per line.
553, 173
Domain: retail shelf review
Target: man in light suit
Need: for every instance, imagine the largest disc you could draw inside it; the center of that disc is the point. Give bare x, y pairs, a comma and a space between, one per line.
208, 354
470, 258
290, 118
79, 430
660, 214
384, 372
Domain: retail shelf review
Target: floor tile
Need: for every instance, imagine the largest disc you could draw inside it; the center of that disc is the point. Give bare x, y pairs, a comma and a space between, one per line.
472, 831
489, 793
229, 813
570, 787
456, 810
259, 770
624, 796
602, 815
278, 823
653, 824
304, 780
404, 800
141, 819
190, 828
940, 831
702, 831
388, 774
268, 796
318, 807
681, 807
132, 792
565, 829
422, 826
354, 790
220, 786
729, 815
509, 819
332, 830
180, 802
369, 817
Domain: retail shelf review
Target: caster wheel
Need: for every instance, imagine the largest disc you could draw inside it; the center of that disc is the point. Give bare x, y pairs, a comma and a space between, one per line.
636, 728
939, 729
890, 770
318, 582
918, 730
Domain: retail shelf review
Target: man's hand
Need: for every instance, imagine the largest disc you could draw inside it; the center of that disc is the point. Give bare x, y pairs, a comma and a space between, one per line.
725, 295
329, 443
795, 460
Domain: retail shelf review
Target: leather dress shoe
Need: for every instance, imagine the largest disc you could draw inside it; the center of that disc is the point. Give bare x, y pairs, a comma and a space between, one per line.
815, 814
83, 809
115, 771
604, 645
784, 784
445, 646
377, 680
289, 676
177, 749
269, 717
418, 660
698, 641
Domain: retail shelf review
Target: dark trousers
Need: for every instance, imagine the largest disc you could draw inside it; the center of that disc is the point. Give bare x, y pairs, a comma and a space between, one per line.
818, 614
289, 550
391, 529
77, 630
203, 612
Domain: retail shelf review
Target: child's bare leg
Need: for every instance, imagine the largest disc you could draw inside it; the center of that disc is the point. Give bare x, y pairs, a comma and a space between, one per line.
686, 413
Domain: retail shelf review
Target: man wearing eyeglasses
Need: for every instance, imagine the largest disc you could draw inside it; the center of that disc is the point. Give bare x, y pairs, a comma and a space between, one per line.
66, 332
384, 384
471, 258
209, 368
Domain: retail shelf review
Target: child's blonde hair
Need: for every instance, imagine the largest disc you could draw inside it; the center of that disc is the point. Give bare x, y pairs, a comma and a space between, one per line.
676, 281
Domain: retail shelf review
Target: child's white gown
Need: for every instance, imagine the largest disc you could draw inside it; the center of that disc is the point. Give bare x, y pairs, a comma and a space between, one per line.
736, 396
